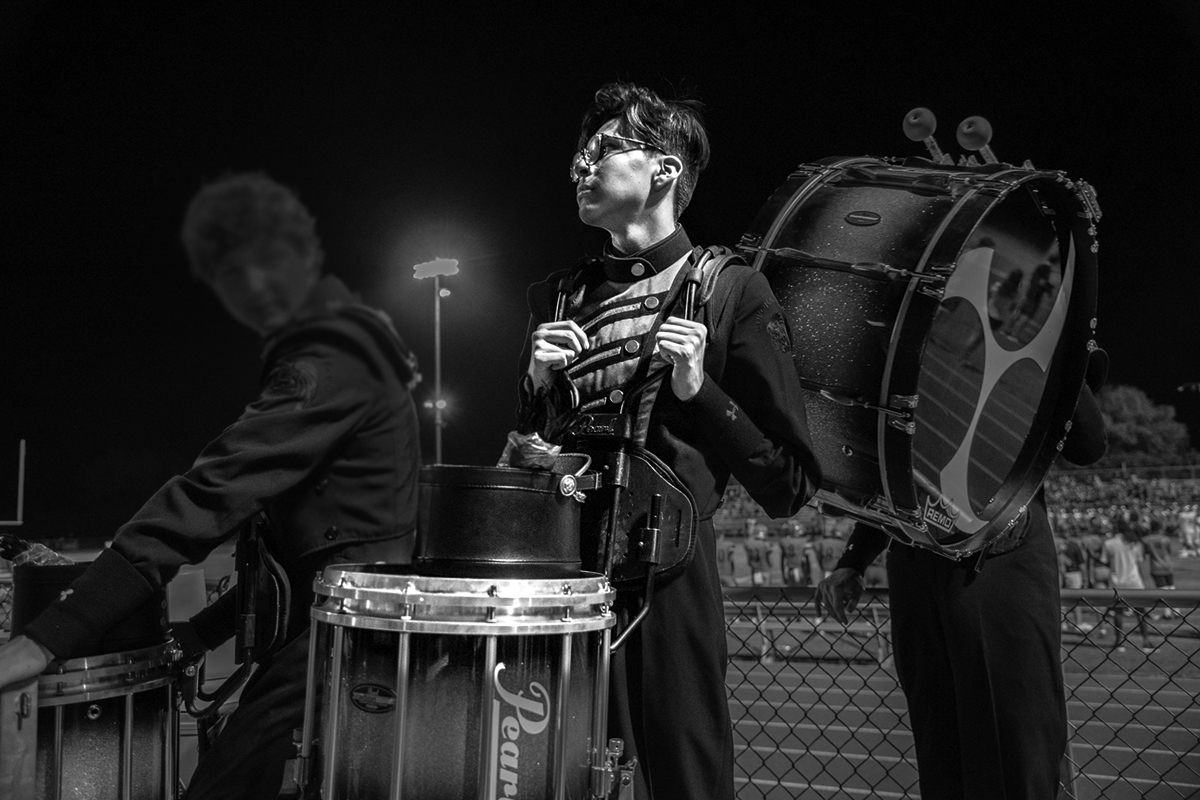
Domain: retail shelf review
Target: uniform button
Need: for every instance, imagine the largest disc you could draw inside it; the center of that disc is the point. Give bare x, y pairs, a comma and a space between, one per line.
651, 303
616, 396
331, 533
638, 270
632, 346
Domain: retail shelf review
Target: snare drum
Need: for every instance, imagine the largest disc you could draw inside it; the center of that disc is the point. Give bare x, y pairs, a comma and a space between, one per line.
107, 726
427, 687
941, 320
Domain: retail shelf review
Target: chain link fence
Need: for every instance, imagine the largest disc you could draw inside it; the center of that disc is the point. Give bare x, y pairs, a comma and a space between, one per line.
818, 711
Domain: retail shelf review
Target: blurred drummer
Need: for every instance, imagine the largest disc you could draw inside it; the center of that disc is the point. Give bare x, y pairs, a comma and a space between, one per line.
731, 404
977, 643
328, 450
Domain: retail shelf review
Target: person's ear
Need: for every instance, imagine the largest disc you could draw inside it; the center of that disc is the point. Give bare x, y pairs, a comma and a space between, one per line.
670, 167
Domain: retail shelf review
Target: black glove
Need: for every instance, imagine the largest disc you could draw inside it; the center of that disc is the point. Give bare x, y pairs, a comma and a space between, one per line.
186, 637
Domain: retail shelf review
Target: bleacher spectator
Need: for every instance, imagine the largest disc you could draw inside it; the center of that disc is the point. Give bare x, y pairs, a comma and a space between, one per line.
732, 562
829, 550
764, 556
1162, 564
1189, 531
800, 564
1126, 554
1098, 572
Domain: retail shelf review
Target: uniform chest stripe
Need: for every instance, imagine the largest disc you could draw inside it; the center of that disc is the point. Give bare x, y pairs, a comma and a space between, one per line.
631, 309
601, 363
589, 363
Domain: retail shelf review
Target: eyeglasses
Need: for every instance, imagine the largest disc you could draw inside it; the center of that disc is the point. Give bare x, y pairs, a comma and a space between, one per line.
598, 148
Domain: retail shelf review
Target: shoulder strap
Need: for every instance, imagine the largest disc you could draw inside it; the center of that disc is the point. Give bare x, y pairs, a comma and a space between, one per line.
569, 286
719, 258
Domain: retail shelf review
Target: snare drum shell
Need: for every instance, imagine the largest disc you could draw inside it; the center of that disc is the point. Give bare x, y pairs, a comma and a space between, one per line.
107, 722
497, 522
463, 688
94, 746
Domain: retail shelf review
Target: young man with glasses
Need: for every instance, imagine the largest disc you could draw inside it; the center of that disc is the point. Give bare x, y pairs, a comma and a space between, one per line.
731, 405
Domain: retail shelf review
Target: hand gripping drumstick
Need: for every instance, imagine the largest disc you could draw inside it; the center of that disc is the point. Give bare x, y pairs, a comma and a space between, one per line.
919, 125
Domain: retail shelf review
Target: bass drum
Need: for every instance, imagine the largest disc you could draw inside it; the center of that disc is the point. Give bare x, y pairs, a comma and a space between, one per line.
941, 320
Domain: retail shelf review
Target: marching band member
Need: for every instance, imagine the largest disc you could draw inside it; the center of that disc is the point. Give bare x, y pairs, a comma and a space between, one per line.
328, 450
977, 645
731, 405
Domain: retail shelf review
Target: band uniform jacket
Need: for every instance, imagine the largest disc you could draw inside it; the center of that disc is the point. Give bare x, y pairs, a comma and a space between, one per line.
329, 450
748, 418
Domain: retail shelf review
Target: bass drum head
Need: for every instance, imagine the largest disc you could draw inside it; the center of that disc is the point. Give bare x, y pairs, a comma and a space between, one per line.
1004, 361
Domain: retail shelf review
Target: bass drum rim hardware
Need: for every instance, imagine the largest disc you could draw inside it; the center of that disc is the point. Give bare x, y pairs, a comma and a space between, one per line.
901, 408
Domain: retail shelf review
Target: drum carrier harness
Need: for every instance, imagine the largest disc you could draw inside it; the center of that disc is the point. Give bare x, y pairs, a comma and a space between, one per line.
646, 527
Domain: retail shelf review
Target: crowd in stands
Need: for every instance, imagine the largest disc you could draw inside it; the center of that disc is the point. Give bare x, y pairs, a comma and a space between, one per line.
1102, 523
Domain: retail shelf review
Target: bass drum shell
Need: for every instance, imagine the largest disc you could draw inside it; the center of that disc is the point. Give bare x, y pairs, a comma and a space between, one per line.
499, 522
936, 397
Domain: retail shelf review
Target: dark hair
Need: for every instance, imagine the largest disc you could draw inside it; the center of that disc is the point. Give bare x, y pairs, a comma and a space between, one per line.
242, 209
675, 126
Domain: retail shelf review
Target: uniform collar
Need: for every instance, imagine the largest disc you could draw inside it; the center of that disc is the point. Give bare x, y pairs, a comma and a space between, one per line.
644, 263
326, 296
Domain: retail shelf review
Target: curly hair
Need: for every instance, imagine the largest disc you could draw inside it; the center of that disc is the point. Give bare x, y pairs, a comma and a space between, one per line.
675, 126
242, 209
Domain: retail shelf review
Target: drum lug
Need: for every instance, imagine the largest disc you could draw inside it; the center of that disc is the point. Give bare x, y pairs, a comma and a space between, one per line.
750, 243
936, 292
1088, 195
908, 516
904, 424
613, 772
300, 763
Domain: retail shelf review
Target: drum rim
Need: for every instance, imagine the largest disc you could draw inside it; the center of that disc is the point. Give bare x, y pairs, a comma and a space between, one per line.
125, 673
465, 476
149, 656
86, 695
340, 581
502, 626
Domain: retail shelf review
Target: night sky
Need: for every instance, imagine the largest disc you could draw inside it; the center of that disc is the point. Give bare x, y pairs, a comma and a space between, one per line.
412, 134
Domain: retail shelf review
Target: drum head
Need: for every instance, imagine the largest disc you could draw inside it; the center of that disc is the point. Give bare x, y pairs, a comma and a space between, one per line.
941, 321
1003, 363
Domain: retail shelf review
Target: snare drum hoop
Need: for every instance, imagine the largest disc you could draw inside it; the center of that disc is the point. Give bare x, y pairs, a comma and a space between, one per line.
94, 678
354, 598
984, 193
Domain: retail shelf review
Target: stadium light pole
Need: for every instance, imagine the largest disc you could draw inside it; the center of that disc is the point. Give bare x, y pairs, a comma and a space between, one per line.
436, 269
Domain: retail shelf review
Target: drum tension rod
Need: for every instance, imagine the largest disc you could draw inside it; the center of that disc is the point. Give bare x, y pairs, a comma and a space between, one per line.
937, 274
858, 401
897, 272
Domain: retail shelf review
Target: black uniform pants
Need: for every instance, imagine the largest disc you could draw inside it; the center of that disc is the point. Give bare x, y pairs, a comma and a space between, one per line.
978, 656
667, 696
248, 757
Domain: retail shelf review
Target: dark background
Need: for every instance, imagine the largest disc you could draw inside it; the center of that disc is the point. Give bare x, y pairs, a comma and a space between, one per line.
413, 132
